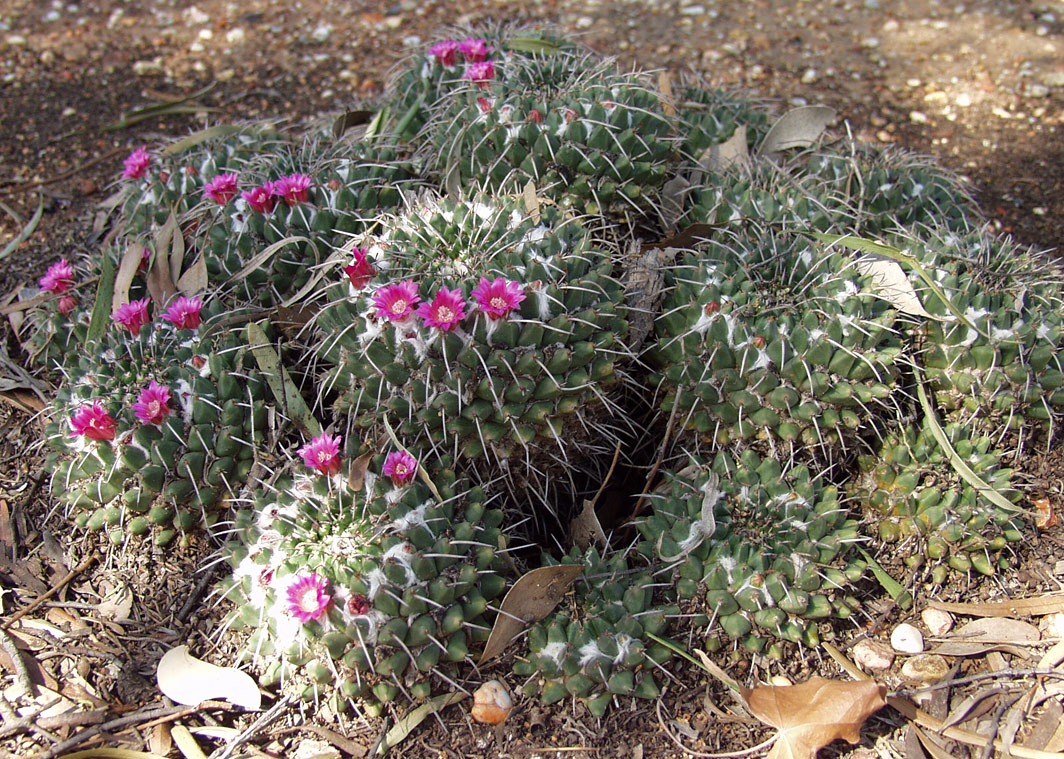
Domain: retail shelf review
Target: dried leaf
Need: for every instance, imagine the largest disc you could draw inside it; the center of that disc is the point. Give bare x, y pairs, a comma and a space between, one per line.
118, 603
1019, 607
349, 119
406, 725
672, 199
160, 283
160, 741
186, 743
265, 254
532, 597
194, 279
586, 528
27, 230
812, 715
892, 284
111, 753
127, 269
734, 151
705, 526
668, 99
356, 474
1046, 516
177, 252
531, 201
188, 680
194, 139
797, 128
988, 634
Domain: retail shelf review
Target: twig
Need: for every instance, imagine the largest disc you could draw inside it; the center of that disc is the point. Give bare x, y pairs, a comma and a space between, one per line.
16, 724
344, 744
644, 499
256, 727
605, 482
976, 678
197, 592
60, 177
22, 676
54, 589
107, 727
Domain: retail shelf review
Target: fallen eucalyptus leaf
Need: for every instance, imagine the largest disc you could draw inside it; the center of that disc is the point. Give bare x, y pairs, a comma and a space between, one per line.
405, 726
732, 152
194, 279
356, 473
530, 599
188, 680
892, 284
797, 128
1015, 607
186, 743
988, 634
586, 528
118, 603
349, 119
160, 283
127, 269
812, 715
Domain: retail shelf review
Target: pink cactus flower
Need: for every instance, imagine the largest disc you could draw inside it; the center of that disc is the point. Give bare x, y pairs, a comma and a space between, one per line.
133, 315
400, 466
322, 453
293, 188
498, 297
481, 73
184, 313
93, 422
475, 50
151, 406
308, 597
136, 163
397, 301
261, 199
361, 271
445, 310
58, 278
221, 189
445, 52
67, 304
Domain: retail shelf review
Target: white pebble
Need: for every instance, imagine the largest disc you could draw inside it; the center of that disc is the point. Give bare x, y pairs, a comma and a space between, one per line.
918, 117
235, 35
873, 655
584, 22
938, 622
964, 100
1052, 625
925, 668
693, 10
322, 32
809, 76
907, 639
195, 17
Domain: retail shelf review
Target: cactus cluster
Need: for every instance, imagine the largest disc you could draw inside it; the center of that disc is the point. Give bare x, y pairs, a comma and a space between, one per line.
526, 269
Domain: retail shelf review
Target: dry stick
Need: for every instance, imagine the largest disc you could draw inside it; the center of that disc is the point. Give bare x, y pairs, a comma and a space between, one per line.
25, 722
644, 499
60, 177
130, 719
344, 744
54, 589
256, 727
22, 676
976, 678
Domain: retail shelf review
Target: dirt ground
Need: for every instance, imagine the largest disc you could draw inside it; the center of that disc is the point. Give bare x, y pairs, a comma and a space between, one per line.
979, 85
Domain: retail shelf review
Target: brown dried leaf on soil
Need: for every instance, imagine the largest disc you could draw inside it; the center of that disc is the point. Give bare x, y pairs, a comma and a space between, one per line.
812, 715
530, 599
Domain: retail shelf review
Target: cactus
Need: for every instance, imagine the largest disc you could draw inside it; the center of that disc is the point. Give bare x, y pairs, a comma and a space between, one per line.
526, 383
914, 494
398, 580
755, 551
767, 338
164, 470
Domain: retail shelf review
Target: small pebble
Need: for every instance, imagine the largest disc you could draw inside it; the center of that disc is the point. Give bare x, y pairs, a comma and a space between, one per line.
873, 655
195, 17
907, 639
918, 117
925, 668
809, 76
492, 703
780, 680
693, 10
1052, 625
235, 35
938, 622
1054, 79
322, 32
1036, 90
584, 22
964, 100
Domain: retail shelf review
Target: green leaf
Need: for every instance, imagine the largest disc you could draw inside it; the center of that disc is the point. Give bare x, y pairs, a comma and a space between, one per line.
26, 231
533, 45
960, 466
379, 119
406, 725
101, 309
284, 390
894, 589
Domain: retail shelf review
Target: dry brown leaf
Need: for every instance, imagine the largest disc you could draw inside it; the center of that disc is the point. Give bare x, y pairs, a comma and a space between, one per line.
812, 715
127, 269
159, 742
988, 634
194, 278
586, 528
531, 598
1020, 607
356, 473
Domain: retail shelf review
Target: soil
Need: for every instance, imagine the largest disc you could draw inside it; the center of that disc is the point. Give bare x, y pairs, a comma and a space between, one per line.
978, 85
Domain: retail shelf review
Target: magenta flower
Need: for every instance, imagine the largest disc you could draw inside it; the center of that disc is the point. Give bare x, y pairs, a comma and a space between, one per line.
151, 407
445, 52
474, 50
445, 310
396, 302
260, 199
322, 453
58, 278
481, 73
67, 304
361, 271
136, 163
184, 313
308, 597
221, 189
400, 466
93, 422
293, 188
499, 297
133, 315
